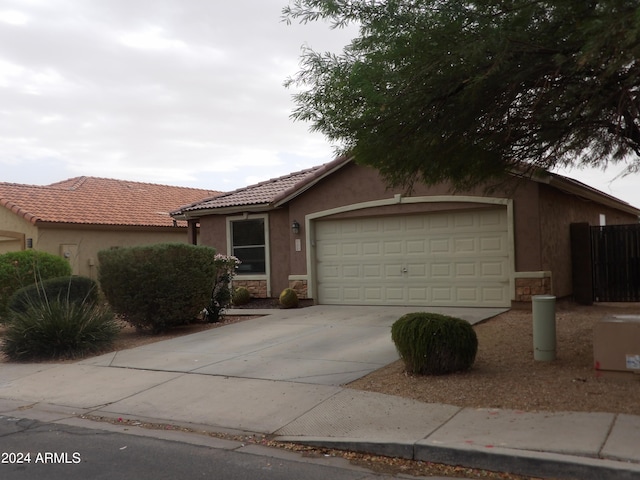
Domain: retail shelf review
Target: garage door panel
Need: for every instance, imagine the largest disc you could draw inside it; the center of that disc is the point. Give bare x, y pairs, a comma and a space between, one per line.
371, 248
442, 259
494, 294
438, 222
373, 294
351, 271
466, 270
419, 295
465, 245
328, 250
464, 221
442, 294
392, 247
496, 269
438, 246
392, 225
441, 271
418, 246
372, 271
493, 245
467, 294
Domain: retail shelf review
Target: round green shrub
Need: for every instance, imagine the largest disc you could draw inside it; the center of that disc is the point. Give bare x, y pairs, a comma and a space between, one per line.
241, 296
27, 267
75, 289
434, 344
58, 329
288, 298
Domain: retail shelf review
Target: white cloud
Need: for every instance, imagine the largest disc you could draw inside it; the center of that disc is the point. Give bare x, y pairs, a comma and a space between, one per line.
13, 17
153, 90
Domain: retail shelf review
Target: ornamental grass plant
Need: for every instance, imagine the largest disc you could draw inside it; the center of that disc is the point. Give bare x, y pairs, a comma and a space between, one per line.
58, 329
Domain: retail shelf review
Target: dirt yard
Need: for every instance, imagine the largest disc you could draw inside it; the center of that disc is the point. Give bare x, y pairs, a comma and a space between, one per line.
505, 374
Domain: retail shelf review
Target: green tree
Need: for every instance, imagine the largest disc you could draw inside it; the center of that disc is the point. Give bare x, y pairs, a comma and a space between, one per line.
463, 91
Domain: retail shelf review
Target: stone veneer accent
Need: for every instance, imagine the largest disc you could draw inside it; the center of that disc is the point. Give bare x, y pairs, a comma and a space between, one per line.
257, 288
300, 287
527, 287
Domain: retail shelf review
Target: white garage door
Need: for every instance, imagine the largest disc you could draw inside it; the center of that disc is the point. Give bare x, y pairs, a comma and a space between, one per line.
439, 259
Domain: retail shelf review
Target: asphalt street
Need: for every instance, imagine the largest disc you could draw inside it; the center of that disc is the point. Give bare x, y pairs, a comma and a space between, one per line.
34, 450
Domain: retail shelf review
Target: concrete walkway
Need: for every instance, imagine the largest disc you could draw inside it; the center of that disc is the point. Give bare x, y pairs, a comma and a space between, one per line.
280, 375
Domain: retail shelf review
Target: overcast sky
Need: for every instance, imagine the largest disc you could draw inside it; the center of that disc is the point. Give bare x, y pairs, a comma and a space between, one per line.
180, 92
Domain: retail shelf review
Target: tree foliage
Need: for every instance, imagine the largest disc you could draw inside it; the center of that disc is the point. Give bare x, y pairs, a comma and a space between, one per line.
466, 90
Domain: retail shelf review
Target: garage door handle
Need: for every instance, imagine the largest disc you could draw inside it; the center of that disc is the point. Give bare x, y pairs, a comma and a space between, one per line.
404, 270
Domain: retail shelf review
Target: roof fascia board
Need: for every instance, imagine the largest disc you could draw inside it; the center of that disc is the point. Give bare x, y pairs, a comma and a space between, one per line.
196, 214
592, 195
569, 186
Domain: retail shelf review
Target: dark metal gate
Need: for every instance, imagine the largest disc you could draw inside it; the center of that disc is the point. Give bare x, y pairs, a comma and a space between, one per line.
615, 259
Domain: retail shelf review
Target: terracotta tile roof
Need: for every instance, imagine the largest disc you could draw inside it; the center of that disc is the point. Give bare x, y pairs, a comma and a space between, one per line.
268, 193
99, 201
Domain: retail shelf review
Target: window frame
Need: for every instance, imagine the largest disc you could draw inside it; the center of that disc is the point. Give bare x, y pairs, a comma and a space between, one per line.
267, 255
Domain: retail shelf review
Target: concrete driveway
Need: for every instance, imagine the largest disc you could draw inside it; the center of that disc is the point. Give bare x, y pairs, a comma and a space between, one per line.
325, 345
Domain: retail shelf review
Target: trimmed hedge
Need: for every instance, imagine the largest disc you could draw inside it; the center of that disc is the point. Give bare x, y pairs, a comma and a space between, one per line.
76, 290
157, 286
434, 344
27, 267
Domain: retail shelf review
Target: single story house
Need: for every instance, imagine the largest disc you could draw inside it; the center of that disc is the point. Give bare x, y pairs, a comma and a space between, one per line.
336, 233
78, 217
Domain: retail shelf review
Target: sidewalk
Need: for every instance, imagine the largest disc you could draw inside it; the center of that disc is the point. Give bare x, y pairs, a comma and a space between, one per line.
562, 445
171, 382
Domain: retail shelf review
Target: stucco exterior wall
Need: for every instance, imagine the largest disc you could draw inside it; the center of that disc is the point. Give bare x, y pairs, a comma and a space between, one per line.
14, 231
281, 241
213, 232
84, 244
557, 211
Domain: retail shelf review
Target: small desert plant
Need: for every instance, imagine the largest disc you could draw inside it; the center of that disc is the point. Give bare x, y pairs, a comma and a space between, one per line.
58, 329
288, 298
241, 296
74, 289
434, 344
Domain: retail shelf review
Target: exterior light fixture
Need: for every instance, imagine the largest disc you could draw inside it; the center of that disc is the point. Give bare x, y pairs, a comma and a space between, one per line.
295, 227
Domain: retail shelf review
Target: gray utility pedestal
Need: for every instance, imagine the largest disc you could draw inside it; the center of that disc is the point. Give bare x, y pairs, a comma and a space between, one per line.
544, 327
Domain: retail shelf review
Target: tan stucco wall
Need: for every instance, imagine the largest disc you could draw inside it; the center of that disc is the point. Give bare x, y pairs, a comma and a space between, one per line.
85, 243
14, 231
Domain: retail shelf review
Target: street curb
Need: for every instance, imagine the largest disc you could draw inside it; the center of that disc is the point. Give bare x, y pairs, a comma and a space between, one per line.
539, 464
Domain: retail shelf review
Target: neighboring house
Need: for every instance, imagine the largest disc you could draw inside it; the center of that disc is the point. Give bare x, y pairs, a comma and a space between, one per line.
361, 243
78, 217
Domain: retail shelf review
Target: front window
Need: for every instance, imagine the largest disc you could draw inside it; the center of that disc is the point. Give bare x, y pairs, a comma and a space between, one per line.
248, 244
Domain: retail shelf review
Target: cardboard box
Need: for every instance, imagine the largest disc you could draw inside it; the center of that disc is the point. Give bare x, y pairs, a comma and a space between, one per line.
616, 343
